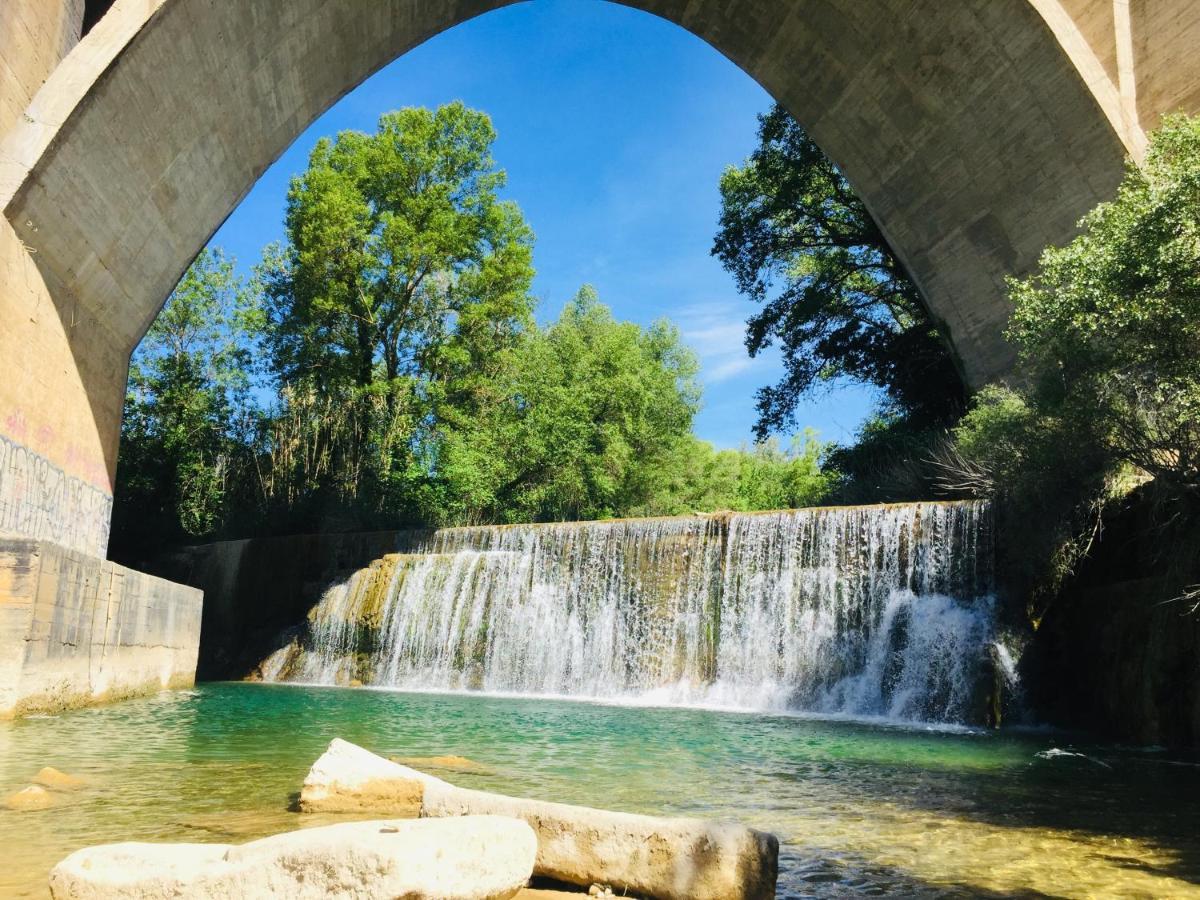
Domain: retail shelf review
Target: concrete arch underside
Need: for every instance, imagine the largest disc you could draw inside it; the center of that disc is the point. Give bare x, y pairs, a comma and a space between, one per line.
977, 132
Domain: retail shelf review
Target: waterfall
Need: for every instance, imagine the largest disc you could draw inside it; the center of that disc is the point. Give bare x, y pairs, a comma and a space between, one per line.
862, 611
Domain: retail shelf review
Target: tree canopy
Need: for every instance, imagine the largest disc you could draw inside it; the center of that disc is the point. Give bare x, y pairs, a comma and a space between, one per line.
1109, 325
188, 412
834, 296
1108, 330
1108, 333
383, 368
402, 261
404, 278
591, 410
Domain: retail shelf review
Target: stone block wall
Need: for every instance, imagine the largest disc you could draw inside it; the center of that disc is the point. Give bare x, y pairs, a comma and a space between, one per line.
77, 630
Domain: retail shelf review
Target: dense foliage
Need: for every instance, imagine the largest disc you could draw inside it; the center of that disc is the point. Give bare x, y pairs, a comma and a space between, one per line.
1108, 329
1109, 326
698, 477
383, 368
590, 411
188, 415
834, 296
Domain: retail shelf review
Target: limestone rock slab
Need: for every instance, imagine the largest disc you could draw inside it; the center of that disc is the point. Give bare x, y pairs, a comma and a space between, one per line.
350, 779
664, 858
472, 858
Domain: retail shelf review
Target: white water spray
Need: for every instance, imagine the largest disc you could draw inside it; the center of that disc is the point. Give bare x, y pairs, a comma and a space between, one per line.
868, 611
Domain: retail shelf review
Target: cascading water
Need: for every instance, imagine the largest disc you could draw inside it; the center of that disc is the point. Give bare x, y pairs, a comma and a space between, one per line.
865, 611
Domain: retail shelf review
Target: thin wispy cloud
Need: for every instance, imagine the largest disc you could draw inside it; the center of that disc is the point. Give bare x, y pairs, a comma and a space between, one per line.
716, 331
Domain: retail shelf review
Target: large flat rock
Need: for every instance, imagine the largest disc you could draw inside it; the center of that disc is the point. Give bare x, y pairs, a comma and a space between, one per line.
664, 858
472, 858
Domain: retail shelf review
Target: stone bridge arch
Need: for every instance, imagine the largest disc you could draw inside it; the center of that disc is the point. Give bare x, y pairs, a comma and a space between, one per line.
977, 132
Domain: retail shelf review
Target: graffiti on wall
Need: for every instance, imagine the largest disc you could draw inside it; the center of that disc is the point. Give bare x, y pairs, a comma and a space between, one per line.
40, 500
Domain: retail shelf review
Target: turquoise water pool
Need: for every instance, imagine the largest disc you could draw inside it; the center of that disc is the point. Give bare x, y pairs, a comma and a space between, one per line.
860, 808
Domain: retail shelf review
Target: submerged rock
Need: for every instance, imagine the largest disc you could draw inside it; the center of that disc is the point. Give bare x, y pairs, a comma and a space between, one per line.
232, 826
33, 797
663, 858
451, 763
52, 778
472, 858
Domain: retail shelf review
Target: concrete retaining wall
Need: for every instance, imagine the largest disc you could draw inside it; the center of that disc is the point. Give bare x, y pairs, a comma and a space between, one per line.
76, 630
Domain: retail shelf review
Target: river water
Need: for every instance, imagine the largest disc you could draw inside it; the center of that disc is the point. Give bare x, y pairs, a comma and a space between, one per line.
861, 808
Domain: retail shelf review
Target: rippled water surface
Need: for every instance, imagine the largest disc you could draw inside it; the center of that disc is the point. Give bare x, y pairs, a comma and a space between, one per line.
861, 809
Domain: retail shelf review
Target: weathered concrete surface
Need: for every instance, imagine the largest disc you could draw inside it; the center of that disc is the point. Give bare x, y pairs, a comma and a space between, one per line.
663, 858
53, 481
34, 37
472, 858
54, 484
76, 630
977, 132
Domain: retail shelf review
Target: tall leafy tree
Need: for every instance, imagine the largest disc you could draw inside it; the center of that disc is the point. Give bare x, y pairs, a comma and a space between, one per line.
402, 258
834, 296
189, 415
403, 279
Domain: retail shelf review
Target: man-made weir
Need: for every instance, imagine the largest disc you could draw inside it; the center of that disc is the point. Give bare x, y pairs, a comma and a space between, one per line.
864, 611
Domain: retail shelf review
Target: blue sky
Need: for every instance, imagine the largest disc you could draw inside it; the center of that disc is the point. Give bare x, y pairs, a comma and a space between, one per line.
614, 127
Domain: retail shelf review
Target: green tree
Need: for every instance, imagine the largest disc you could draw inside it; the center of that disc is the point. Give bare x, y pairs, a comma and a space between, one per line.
771, 477
696, 478
1107, 329
589, 412
763, 476
403, 280
1109, 325
834, 296
189, 415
